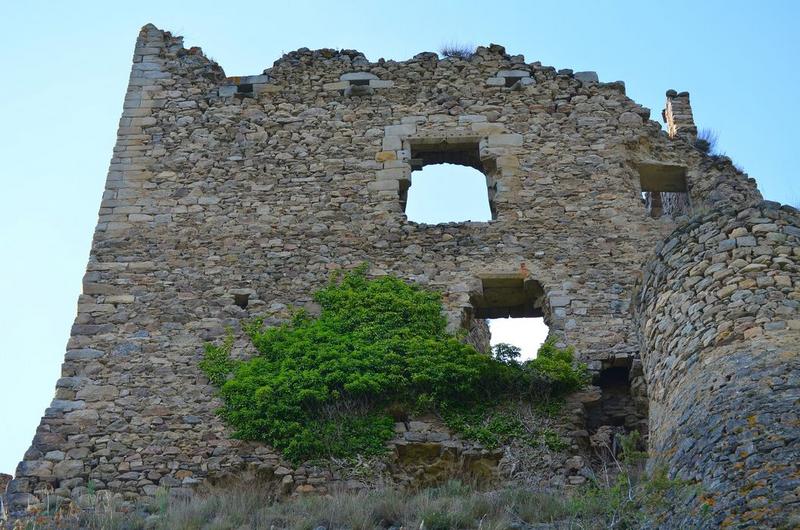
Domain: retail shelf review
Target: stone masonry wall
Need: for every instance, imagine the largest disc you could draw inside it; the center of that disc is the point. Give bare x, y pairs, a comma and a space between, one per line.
223, 189
720, 315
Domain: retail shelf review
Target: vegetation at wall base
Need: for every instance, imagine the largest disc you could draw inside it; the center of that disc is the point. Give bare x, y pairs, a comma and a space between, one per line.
330, 386
629, 500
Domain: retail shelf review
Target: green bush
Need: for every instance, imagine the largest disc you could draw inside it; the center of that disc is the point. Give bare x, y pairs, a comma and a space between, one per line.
553, 373
331, 385
485, 424
558, 369
320, 387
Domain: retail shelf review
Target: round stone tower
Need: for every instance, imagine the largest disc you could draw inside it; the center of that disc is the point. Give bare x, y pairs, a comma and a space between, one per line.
720, 324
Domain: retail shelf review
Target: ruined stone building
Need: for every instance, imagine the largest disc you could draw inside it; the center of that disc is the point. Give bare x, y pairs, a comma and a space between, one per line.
229, 197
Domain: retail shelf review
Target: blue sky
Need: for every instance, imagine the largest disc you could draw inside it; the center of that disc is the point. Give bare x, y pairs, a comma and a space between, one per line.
66, 64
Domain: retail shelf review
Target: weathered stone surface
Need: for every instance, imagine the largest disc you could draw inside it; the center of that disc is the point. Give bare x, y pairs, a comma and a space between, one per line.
97, 393
357, 76
586, 77
214, 191
724, 372
4, 480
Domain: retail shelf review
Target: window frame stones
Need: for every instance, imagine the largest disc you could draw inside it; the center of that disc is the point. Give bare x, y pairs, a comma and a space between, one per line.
511, 79
245, 86
358, 84
497, 157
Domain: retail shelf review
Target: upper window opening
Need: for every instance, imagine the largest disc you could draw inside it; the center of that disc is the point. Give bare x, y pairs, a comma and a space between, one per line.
664, 189
448, 184
439, 151
448, 193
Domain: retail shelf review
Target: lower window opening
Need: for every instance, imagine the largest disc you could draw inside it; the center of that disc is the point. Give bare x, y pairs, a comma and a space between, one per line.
508, 310
527, 334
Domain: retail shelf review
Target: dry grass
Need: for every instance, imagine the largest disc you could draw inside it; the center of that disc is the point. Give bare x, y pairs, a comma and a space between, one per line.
449, 506
627, 499
453, 505
457, 50
707, 140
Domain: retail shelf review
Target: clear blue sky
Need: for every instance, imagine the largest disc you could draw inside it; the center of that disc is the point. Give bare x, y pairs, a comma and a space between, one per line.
66, 64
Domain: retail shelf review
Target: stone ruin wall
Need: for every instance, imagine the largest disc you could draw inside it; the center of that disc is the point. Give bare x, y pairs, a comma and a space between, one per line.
230, 192
719, 309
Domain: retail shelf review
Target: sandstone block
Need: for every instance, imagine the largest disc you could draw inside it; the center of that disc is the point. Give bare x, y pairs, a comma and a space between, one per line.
502, 140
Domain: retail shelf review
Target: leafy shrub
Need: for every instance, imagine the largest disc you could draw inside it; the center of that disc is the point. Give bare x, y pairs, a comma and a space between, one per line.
630, 444
555, 369
320, 387
216, 362
485, 424
553, 440
551, 374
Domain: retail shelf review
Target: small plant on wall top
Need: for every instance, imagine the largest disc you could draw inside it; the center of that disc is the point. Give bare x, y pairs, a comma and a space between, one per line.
325, 386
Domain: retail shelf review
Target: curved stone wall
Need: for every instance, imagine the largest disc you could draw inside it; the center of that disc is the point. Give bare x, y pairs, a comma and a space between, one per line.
720, 329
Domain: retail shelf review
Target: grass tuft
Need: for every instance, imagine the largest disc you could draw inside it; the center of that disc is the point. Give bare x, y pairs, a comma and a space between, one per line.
707, 140
457, 50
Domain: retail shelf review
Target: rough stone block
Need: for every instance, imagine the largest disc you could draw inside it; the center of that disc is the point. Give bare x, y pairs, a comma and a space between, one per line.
503, 140
513, 73
587, 77
406, 129
358, 76
227, 91
384, 185
380, 83
392, 143
338, 85
83, 354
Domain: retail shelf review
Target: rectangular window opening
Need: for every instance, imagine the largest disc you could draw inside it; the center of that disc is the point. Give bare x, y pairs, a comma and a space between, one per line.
449, 182
664, 189
509, 312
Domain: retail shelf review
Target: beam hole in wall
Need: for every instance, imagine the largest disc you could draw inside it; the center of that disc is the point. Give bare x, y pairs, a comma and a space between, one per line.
449, 183
664, 189
241, 299
509, 309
